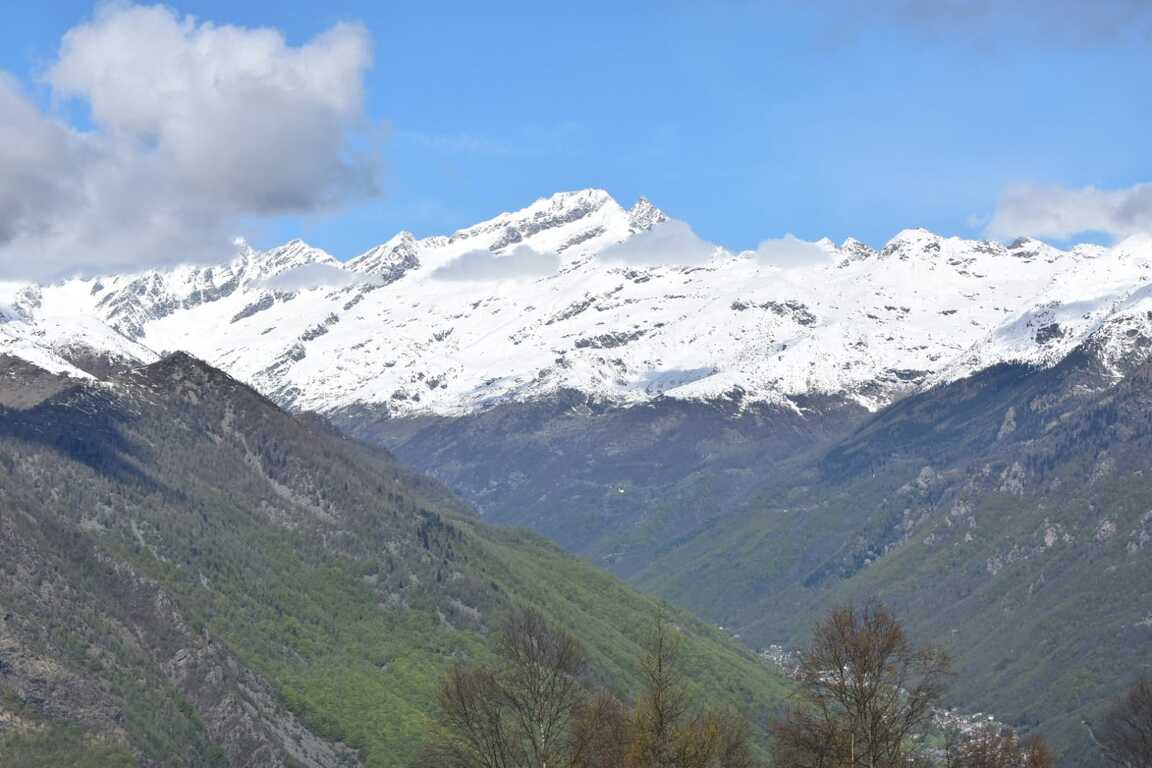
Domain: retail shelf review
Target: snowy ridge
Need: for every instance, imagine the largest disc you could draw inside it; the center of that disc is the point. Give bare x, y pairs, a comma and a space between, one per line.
542, 299
1103, 298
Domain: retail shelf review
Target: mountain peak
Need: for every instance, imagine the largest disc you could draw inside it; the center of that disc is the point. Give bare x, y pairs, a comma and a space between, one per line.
644, 215
590, 194
390, 260
184, 372
914, 235
292, 254
553, 213
180, 360
913, 240
855, 250
567, 206
585, 200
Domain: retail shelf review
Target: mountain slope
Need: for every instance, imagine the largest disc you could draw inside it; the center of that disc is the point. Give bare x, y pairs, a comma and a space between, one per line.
194, 577
1005, 516
615, 485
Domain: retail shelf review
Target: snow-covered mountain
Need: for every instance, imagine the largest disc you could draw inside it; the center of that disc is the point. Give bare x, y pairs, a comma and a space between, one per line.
569, 293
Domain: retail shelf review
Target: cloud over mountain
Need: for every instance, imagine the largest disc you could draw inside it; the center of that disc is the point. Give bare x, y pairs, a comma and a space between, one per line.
1060, 212
790, 251
670, 242
522, 261
308, 276
194, 128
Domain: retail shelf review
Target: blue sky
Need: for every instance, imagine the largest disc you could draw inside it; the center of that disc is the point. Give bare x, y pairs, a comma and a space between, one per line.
747, 119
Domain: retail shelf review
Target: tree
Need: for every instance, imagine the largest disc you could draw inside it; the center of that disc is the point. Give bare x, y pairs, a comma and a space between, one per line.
518, 715
531, 711
807, 738
663, 705
1125, 735
601, 733
1038, 755
864, 690
666, 733
994, 746
541, 685
728, 739
475, 731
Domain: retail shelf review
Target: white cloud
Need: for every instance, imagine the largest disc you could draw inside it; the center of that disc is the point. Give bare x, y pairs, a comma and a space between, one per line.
36, 155
313, 276
671, 242
789, 252
1059, 212
196, 127
522, 261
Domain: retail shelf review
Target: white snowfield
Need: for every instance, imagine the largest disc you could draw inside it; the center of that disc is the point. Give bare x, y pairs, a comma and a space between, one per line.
569, 293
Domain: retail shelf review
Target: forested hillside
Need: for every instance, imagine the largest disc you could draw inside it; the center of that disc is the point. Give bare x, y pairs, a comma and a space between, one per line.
193, 577
1006, 516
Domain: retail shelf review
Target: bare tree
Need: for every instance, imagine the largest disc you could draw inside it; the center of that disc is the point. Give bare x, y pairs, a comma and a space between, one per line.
601, 733
1038, 755
541, 685
864, 691
1125, 735
475, 732
994, 746
666, 732
518, 715
806, 738
988, 746
532, 711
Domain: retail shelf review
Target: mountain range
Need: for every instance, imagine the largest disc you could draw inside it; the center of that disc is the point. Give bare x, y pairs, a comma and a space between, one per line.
576, 292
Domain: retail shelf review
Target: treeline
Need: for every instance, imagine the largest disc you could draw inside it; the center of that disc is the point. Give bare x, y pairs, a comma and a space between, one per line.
865, 697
